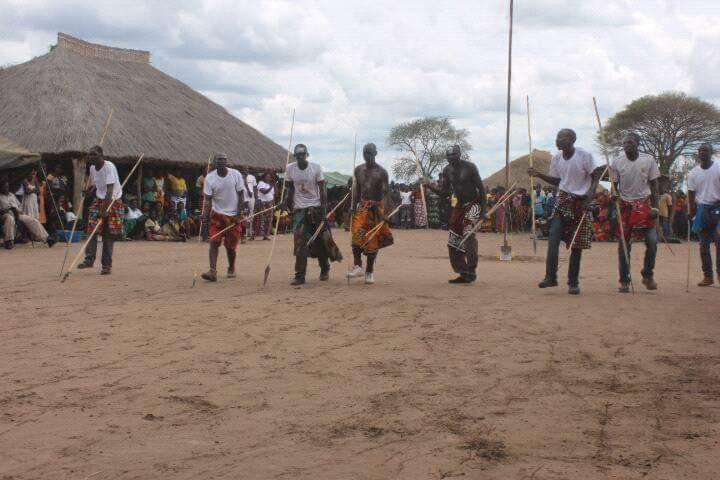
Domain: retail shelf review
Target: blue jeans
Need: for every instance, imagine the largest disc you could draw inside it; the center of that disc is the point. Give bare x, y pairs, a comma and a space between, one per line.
707, 238
651, 242
557, 227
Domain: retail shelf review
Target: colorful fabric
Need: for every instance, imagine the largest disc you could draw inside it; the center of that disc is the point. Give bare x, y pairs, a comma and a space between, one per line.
420, 219
635, 218
305, 222
112, 224
463, 219
570, 209
368, 216
231, 236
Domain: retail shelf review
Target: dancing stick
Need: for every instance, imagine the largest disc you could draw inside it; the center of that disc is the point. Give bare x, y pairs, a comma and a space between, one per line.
99, 222
603, 145
503, 198
532, 180
506, 249
82, 200
376, 229
352, 201
282, 197
317, 230
202, 208
244, 220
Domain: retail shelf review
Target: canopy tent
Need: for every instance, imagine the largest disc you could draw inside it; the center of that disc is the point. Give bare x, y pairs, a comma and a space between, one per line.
13, 156
518, 171
336, 179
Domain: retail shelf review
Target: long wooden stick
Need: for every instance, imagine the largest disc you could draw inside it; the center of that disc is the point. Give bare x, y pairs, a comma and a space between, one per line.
52, 197
503, 198
319, 228
202, 192
603, 145
376, 229
352, 202
282, 198
244, 220
99, 222
82, 199
532, 179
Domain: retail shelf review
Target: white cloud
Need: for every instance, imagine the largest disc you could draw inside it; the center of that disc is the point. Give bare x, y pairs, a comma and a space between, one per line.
364, 66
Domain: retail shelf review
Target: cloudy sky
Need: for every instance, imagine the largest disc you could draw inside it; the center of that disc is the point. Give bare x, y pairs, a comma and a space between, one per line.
364, 66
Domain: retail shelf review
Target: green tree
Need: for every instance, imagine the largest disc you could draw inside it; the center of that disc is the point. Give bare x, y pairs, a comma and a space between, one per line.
424, 141
671, 125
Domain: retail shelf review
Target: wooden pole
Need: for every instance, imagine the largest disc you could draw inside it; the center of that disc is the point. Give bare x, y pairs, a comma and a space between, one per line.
603, 145
319, 228
506, 247
282, 198
689, 228
422, 193
532, 180
99, 222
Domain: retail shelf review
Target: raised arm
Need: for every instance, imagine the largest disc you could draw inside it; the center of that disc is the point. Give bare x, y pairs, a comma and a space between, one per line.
442, 187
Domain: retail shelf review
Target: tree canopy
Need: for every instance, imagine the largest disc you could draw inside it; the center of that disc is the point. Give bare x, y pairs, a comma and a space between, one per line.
670, 125
424, 141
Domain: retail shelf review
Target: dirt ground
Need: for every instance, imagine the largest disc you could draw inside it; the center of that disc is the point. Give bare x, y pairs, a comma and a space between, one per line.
140, 376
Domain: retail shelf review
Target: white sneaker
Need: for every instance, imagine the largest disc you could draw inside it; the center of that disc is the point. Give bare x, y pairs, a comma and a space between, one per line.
357, 271
369, 278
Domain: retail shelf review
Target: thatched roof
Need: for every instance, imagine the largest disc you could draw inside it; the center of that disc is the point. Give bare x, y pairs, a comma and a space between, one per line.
518, 170
12, 156
59, 103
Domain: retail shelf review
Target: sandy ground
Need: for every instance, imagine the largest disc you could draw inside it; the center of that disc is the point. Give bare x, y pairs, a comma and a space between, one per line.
140, 376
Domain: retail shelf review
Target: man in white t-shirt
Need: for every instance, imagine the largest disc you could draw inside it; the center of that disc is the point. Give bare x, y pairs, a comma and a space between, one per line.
406, 208
635, 175
107, 208
250, 197
222, 210
266, 197
704, 198
576, 174
307, 198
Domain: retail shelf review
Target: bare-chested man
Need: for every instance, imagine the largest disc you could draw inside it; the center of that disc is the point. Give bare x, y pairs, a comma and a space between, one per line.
372, 189
463, 179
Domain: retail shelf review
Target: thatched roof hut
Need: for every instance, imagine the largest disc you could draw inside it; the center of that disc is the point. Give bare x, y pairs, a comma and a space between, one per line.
518, 170
58, 104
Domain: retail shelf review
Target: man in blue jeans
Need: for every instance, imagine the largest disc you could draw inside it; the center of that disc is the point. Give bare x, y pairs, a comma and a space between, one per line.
576, 175
704, 198
635, 175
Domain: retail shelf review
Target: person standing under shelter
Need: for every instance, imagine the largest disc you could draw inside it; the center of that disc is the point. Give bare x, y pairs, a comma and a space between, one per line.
576, 175
177, 190
250, 197
105, 183
635, 175
10, 214
222, 208
704, 198
266, 197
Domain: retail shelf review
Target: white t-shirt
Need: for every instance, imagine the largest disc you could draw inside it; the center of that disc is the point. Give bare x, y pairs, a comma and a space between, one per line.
266, 197
251, 184
405, 198
634, 177
224, 191
307, 190
705, 183
575, 173
102, 178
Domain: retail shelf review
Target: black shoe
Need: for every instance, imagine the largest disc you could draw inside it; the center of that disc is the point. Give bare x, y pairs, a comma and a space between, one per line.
470, 277
50, 242
105, 270
624, 287
574, 289
459, 280
298, 281
324, 276
548, 282
9, 245
85, 265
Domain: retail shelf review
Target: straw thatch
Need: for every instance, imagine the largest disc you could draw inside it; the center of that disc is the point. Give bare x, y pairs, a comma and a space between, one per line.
518, 171
13, 156
59, 103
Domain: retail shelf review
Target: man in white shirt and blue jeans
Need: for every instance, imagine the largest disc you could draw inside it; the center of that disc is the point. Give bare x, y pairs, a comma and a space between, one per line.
576, 175
704, 198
